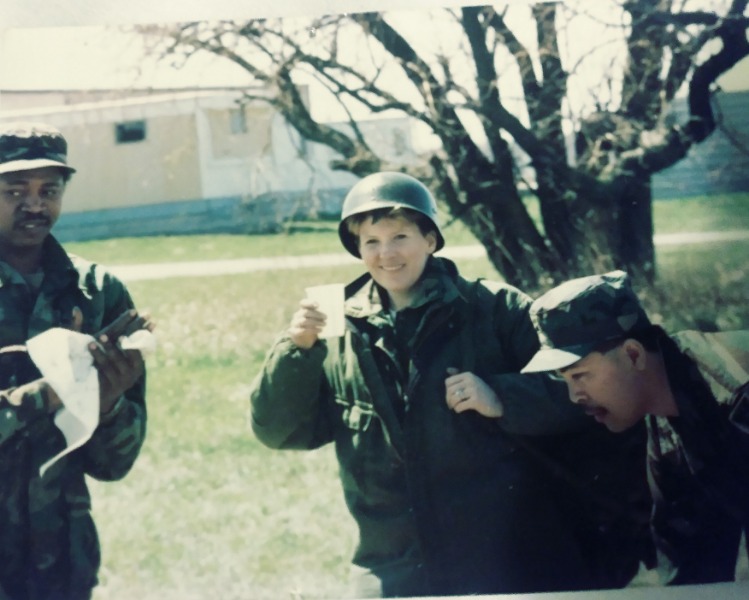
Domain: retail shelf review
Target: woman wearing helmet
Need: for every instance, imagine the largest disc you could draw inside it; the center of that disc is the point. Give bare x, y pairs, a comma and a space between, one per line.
415, 396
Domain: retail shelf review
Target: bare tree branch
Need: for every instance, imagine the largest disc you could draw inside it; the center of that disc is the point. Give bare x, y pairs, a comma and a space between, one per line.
595, 209
732, 32
458, 143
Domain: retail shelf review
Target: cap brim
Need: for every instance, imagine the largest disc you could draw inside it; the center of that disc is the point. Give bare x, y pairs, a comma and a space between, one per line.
551, 359
36, 163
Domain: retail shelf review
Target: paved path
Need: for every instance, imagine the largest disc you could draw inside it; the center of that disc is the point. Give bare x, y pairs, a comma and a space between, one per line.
244, 265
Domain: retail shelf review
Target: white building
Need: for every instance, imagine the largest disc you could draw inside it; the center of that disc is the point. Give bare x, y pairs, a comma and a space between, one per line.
188, 161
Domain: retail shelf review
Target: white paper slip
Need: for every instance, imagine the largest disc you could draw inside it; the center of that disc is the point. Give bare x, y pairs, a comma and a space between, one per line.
330, 298
64, 360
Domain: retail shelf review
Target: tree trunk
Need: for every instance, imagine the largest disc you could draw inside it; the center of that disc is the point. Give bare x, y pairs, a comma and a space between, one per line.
616, 224
612, 228
512, 241
635, 251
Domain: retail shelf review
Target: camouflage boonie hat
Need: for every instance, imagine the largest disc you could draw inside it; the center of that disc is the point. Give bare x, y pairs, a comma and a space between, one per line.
25, 146
577, 316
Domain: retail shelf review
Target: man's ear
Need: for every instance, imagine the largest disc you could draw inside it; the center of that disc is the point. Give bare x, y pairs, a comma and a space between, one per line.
635, 354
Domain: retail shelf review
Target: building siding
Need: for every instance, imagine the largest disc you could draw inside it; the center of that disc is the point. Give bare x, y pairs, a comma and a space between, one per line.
720, 164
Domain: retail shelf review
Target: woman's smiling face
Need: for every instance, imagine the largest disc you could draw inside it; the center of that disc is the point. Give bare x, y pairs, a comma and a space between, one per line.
395, 252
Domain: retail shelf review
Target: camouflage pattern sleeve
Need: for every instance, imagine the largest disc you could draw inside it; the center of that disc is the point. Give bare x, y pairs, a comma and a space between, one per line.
21, 406
116, 443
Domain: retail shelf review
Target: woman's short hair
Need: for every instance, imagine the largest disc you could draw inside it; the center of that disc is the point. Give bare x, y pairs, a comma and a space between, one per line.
424, 223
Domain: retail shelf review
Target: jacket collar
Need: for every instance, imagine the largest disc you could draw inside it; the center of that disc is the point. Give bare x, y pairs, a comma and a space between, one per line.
364, 298
56, 264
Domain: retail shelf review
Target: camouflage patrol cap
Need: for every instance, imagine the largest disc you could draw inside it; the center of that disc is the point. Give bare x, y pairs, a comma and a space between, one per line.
25, 146
577, 316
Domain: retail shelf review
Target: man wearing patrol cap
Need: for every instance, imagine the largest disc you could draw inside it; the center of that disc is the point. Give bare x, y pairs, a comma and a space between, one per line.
48, 544
691, 388
419, 396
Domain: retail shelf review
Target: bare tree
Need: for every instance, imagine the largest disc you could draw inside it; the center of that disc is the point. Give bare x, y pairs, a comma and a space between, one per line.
594, 195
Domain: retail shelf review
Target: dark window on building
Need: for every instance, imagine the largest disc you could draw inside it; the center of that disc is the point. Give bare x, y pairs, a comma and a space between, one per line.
130, 131
237, 121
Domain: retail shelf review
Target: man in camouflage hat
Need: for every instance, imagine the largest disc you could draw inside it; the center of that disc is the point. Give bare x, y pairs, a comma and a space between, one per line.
48, 543
691, 388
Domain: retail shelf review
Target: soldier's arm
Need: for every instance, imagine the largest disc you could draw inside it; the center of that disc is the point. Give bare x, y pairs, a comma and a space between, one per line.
20, 406
116, 443
533, 404
286, 398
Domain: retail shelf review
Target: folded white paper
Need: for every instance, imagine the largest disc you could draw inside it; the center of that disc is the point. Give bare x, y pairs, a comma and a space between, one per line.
64, 360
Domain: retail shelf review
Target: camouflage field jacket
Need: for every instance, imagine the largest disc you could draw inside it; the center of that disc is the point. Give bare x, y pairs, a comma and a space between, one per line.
48, 543
445, 503
698, 462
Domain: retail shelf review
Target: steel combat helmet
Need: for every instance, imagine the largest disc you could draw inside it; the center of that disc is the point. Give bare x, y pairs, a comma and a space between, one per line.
387, 189
576, 317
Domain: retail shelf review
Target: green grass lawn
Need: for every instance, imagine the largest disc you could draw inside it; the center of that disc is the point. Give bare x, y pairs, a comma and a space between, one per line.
208, 512
702, 213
